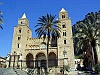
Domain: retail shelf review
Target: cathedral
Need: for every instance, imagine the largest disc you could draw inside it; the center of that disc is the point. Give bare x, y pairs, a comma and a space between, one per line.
28, 52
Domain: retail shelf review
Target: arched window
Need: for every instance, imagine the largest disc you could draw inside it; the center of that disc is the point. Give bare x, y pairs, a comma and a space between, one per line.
63, 25
63, 15
19, 37
64, 33
18, 45
64, 41
19, 30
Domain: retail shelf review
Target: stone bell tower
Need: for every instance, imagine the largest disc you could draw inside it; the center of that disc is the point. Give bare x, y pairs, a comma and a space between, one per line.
19, 42
65, 43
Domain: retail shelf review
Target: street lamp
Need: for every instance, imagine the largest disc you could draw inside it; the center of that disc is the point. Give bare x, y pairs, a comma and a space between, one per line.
64, 53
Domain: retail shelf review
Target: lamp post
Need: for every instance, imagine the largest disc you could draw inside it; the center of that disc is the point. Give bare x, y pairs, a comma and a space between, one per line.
64, 53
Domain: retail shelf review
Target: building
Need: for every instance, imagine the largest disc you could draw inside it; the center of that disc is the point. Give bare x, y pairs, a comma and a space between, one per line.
28, 52
2, 62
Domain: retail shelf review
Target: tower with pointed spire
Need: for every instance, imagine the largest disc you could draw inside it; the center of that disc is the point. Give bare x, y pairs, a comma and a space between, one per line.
33, 50
24, 15
63, 14
65, 43
21, 32
23, 20
20, 35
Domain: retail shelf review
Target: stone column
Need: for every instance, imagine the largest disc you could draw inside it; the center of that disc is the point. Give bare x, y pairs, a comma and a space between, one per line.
20, 60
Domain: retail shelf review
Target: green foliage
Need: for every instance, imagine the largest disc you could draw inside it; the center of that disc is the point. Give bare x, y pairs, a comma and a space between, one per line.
97, 67
78, 57
87, 73
86, 33
46, 26
1, 21
87, 59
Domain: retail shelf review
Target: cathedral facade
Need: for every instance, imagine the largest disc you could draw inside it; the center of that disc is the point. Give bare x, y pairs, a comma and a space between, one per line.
28, 52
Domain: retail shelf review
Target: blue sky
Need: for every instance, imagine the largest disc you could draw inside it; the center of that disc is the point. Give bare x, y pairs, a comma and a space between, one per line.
14, 9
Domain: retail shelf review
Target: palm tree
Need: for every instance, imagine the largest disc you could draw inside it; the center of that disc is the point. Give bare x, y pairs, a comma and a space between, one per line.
47, 28
87, 32
1, 22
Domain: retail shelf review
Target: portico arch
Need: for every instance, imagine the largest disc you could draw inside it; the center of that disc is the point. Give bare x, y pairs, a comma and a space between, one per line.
41, 60
29, 60
52, 59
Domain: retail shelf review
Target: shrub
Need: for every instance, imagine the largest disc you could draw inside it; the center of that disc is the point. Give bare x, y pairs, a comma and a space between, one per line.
97, 67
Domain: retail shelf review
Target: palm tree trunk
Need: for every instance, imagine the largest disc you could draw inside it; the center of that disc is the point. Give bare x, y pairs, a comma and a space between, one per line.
47, 58
48, 39
93, 59
93, 62
95, 56
93, 44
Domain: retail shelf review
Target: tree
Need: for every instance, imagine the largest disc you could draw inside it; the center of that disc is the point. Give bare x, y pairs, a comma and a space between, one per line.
87, 32
1, 22
47, 28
